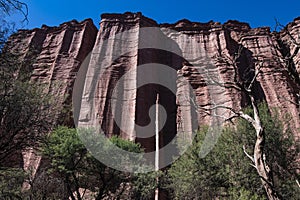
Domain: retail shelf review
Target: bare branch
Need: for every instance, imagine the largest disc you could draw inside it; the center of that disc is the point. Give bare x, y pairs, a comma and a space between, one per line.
8, 5
298, 183
250, 157
258, 159
293, 102
285, 29
257, 71
231, 62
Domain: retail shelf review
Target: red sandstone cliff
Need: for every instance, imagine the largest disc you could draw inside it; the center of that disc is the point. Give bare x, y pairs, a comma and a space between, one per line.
59, 52
197, 43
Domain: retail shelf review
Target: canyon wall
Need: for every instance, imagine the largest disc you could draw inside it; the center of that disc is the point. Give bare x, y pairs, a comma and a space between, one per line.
55, 55
127, 42
135, 45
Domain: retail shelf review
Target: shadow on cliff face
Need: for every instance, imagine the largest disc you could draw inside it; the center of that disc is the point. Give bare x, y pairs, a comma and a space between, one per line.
149, 60
168, 53
124, 79
146, 96
246, 69
124, 76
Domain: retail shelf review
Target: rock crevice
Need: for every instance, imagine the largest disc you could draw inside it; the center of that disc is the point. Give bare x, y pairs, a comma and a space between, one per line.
119, 46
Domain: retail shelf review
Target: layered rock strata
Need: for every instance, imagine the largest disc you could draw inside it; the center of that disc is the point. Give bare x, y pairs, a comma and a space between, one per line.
192, 49
131, 49
54, 56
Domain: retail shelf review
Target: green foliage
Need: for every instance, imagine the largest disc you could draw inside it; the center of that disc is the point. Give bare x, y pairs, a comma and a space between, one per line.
126, 145
26, 112
65, 149
281, 151
144, 184
69, 157
243, 194
193, 177
227, 173
11, 180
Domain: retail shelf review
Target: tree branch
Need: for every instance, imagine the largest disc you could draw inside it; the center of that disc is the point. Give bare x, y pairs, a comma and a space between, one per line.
19, 6
250, 157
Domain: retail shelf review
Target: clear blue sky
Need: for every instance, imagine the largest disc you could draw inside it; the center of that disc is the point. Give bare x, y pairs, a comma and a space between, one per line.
255, 12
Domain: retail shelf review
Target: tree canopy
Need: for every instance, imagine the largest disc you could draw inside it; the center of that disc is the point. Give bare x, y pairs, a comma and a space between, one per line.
227, 173
69, 158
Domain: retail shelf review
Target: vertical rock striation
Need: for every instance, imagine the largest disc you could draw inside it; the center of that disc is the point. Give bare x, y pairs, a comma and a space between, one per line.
54, 56
198, 45
129, 48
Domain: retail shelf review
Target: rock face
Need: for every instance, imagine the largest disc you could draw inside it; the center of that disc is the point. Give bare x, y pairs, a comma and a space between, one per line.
56, 53
192, 48
135, 45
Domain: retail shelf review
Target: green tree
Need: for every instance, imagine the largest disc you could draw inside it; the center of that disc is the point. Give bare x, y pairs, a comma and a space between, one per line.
227, 173
80, 170
11, 180
144, 184
26, 112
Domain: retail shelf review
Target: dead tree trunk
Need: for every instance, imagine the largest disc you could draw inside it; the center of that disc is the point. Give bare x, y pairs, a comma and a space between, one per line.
259, 157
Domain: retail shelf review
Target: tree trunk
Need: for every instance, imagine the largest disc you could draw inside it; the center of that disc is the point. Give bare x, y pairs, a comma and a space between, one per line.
262, 167
69, 188
77, 188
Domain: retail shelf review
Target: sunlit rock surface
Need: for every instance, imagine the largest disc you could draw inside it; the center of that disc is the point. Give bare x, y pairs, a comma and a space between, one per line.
191, 49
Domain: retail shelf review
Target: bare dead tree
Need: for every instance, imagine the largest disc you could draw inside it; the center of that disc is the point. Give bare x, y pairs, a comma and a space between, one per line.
246, 85
10, 6
8, 24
